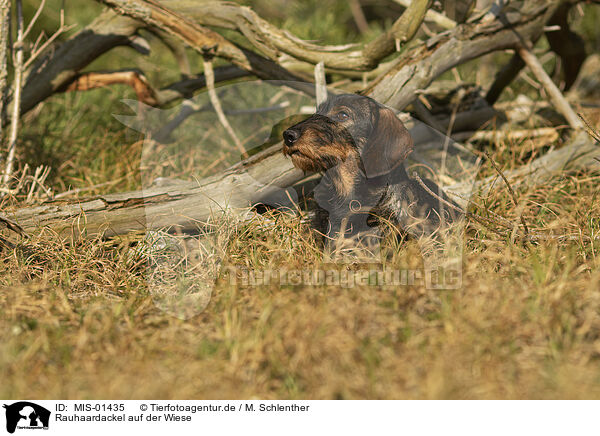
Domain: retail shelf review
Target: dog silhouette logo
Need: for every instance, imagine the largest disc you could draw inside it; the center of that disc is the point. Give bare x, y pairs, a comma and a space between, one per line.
26, 415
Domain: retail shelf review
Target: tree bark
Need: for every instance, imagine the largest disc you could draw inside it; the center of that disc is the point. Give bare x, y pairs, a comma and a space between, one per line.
60, 67
183, 205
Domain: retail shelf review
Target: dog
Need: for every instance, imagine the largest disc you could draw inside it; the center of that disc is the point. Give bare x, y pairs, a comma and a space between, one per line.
360, 147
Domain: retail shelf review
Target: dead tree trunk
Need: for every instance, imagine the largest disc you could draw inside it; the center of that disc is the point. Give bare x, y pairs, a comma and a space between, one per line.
184, 205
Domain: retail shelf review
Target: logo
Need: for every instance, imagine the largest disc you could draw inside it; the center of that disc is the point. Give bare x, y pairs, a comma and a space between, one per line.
26, 415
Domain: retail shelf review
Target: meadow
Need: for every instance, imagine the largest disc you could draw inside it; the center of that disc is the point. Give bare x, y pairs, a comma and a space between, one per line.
78, 320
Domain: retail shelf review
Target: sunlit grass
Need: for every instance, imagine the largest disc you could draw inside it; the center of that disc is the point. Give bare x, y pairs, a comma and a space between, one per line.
79, 320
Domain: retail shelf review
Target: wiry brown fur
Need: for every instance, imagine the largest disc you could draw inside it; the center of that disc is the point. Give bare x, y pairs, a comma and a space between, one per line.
360, 145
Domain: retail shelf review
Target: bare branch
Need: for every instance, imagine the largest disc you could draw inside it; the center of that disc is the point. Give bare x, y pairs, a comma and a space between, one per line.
417, 67
435, 17
4, 37
59, 67
144, 91
39, 50
510, 189
402, 30
559, 101
274, 42
34, 19
214, 99
200, 38
590, 130
17, 87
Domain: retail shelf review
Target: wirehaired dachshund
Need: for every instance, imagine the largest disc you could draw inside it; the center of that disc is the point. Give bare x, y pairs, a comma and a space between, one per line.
359, 146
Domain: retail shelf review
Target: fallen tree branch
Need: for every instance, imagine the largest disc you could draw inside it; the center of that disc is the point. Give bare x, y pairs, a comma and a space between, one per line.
507, 135
200, 38
397, 84
579, 153
416, 68
185, 206
60, 67
402, 30
135, 79
188, 205
273, 42
435, 17
144, 91
559, 101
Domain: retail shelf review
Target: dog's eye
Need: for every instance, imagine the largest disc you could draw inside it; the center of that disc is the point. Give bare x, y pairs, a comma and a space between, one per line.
342, 116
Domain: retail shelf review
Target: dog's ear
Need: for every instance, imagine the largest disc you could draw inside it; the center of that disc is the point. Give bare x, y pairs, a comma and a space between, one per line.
388, 145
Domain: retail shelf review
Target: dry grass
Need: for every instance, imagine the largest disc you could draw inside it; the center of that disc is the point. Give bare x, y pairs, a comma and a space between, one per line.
79, 322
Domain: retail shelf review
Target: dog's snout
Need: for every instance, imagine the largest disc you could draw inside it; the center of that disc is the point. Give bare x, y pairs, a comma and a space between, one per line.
290, 136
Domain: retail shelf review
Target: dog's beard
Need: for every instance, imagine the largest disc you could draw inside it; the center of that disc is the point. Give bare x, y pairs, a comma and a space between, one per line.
308, 157
305, 163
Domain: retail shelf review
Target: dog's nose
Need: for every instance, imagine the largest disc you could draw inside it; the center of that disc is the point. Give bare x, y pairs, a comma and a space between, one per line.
290, 136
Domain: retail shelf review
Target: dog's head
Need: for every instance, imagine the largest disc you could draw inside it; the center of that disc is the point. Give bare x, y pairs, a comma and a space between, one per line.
346, 127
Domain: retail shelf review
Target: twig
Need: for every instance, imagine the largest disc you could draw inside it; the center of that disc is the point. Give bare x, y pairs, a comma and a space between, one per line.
590, 130
557, 98
18, 86
481, 220
435, 17
510, 189
320, 83
214, 99
62, 29
359, 16
4, 36
34, 19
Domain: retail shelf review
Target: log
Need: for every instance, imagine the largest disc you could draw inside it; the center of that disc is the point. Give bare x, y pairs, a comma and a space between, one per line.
185, 205
264, 177
580, 153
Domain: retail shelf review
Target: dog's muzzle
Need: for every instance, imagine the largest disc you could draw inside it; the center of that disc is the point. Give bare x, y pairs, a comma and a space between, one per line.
290, 136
